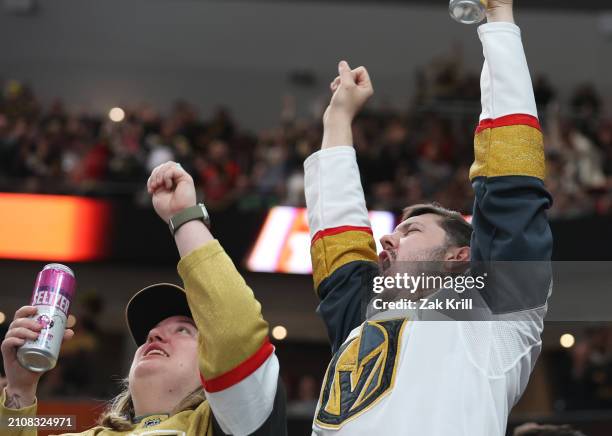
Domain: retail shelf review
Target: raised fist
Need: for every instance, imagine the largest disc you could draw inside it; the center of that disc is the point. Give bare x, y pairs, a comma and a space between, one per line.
172, 190
352, 88
500, 10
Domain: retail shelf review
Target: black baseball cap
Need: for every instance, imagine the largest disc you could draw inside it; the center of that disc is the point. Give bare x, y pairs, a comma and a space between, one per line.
153, 304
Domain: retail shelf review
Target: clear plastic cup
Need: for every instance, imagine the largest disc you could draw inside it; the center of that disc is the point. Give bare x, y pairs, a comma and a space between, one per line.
468, 11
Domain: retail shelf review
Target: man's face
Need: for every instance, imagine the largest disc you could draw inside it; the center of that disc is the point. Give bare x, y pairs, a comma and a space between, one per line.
419, 238
171, 350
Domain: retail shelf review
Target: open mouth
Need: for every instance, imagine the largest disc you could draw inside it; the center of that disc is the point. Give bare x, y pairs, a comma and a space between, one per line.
155, 351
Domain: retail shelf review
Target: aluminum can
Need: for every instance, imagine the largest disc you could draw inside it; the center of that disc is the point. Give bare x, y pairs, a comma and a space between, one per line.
52, 296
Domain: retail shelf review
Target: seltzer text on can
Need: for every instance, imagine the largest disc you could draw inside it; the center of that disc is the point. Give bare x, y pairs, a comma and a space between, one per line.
53, 293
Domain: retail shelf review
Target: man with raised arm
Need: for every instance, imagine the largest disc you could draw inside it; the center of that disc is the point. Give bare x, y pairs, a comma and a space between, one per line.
394, 373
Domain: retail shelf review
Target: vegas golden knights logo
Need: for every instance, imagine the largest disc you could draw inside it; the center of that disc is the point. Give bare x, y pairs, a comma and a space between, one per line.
361, 372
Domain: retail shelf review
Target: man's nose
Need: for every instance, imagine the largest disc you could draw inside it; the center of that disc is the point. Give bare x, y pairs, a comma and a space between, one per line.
390, 242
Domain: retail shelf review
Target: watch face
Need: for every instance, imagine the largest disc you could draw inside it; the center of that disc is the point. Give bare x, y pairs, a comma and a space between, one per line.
205, 216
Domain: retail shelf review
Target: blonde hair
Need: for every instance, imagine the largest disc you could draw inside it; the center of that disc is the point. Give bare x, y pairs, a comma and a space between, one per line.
119, 414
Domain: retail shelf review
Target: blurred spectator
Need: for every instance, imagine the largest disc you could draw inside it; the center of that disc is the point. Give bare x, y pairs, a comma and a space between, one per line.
218, 175
532, 429
544, 92
592, 369
586, 107
306, 402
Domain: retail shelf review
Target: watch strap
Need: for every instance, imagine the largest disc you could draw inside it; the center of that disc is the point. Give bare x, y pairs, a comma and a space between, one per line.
193, 213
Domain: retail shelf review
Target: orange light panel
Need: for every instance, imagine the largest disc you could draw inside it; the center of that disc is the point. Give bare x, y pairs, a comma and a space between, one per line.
53, 227
283, 244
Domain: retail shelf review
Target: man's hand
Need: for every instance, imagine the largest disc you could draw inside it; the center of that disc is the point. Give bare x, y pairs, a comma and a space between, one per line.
500, 10
172, 190
352, 88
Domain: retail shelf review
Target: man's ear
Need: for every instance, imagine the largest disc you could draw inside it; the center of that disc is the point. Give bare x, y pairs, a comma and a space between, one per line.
464, 254
457, 260
458, 254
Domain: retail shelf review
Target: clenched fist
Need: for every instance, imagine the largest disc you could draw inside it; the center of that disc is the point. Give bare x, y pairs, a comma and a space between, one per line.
172, 190
352, 88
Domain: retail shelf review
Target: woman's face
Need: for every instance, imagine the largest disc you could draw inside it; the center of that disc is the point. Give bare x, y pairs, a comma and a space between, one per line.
171, 352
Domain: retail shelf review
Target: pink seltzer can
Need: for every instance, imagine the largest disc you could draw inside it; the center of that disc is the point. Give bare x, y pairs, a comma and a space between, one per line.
53, 293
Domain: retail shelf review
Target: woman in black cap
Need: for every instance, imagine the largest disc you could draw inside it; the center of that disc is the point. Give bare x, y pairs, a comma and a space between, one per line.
204, 364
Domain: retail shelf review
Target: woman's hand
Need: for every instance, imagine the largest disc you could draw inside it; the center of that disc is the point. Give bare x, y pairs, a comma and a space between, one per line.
21, 383
172, 190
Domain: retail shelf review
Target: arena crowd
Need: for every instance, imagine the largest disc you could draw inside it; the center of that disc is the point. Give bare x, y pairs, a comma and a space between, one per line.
406, 156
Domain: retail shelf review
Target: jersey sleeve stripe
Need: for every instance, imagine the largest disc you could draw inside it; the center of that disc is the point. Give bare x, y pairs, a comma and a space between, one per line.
516, 150
509, 120
338, 230
331, 252
241, 372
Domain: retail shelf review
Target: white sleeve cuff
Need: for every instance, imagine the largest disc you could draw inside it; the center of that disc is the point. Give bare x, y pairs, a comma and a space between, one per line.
243, 408
334, 196
505, 81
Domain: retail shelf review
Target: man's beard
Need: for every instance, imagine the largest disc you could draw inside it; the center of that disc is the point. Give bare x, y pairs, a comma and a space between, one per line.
427, 262
418, 262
